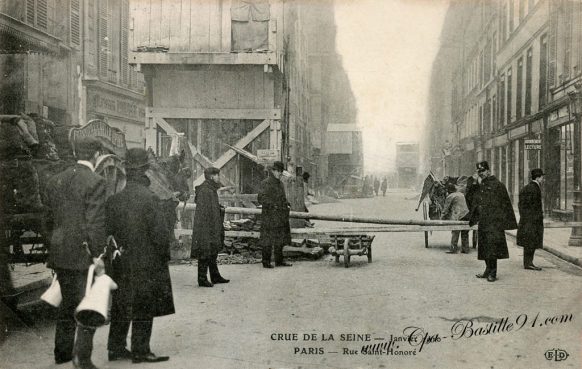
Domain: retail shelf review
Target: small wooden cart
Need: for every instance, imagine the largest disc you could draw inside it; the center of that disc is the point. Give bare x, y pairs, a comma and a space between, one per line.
358, 244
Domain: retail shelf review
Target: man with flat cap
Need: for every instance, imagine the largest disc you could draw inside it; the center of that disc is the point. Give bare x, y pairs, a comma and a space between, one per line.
75, 222
275, 230
493, 212
208, 229
530, 231
140, 267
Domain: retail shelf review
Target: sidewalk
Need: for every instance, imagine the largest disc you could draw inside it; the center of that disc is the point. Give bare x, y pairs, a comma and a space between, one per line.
30, 282
556, 242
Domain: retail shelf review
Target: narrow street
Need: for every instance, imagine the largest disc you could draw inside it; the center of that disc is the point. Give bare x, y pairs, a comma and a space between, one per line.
285, 317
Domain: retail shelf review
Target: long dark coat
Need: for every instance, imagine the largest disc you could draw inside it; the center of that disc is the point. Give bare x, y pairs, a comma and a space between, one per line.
530, 232
208, 229
275, 228
76, 199
494, 213
142, 273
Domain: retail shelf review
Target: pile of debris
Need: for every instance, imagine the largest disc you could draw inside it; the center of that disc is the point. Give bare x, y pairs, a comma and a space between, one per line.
242, 245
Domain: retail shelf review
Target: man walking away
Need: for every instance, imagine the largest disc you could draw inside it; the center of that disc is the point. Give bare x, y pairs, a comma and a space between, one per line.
494, 214
456, 209
76, 224
208, 229
141, 268
384, 186
275, 230
376, 186
530, 231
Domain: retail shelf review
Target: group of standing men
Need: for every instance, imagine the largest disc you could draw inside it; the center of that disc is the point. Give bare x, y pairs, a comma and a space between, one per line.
490, 207
78, 221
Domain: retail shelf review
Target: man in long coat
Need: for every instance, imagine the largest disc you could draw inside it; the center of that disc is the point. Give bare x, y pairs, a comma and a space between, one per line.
530, 231
494, 213
75, 221
141, 270
208, 229
275, 230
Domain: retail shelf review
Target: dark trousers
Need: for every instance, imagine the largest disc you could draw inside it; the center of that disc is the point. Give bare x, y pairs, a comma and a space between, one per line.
528, 256
475, 239
491, 267
141, 332
267, 250
464, 240
205, 265
72, 284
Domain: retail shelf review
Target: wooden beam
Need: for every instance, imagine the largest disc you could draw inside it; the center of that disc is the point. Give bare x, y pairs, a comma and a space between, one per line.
214, 113
241, 144
227, 58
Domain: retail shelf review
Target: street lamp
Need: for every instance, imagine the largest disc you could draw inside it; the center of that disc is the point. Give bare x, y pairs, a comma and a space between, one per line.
576, 111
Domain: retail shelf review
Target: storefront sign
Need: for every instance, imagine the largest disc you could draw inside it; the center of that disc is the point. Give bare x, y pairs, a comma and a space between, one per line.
533, 144
268, 156
518, 132
106, 104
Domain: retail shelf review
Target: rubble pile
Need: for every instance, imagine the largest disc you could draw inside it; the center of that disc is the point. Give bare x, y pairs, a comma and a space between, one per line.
244, 247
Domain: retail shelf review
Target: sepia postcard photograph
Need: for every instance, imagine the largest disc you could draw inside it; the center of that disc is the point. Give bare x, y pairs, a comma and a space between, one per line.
291, 184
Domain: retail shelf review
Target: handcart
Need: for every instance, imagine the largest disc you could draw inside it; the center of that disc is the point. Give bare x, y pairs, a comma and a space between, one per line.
359, 245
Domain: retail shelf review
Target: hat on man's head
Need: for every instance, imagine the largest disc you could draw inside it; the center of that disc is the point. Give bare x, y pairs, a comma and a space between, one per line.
482, 166
136, 158
536, 173
210, 171
86, 147
278, 166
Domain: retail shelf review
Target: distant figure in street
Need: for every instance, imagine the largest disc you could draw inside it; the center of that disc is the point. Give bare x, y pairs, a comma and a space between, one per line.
140, 268
530, 231
76, 224
470, 195
494, 214
275, 230
384, 186
455, 208
376, 186
208, 229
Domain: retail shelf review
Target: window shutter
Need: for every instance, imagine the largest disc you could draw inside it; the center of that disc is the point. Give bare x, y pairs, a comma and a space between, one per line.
103, 39
124, 42
41, 14
75, 22
30, 11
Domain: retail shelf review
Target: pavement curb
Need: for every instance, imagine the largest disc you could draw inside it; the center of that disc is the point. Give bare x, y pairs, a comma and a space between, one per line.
554, 251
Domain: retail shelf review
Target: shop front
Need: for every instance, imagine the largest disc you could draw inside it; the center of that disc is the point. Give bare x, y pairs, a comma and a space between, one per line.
121, 108
560, 163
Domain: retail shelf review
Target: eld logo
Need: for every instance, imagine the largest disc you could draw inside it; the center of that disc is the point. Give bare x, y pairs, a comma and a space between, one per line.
556, 355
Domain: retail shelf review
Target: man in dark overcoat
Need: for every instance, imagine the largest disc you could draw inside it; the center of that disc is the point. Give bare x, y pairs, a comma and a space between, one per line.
75, 222
208, 229
141, 269
494, 214
275, 230
471, 192
530, 231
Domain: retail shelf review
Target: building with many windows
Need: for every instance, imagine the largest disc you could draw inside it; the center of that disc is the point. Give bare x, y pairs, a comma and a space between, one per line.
67, 60
515, 67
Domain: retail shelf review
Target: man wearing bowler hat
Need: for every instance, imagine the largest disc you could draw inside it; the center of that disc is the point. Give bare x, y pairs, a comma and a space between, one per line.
275, 230
494, 214
208, 229
76, 225
530, 232
140, 265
